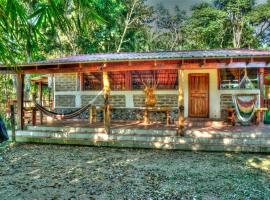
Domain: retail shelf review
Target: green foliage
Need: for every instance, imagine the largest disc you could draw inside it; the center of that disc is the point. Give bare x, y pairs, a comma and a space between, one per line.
206, 28
7, 93
36, 30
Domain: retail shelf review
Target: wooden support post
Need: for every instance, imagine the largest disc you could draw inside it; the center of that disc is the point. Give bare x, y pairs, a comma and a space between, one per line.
261, 86
181, 118
12, 120
40, 87
146, 117
34, 116
20, 94
34, 110
106, 112
92, 114
168, 118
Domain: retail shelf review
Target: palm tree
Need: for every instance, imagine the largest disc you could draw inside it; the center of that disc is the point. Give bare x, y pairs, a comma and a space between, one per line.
22, 23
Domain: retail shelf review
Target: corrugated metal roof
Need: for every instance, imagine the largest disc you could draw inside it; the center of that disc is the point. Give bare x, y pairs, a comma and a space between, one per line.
166, 55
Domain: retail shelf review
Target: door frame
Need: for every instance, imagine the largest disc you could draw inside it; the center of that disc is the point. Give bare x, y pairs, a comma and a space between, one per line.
189, 94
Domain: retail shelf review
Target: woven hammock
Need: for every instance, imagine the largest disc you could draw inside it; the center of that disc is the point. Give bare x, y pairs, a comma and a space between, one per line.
70, 115
246, 82
245, 106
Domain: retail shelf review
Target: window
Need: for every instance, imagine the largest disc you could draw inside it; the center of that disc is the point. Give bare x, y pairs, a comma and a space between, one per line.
92, 81
236, 79
117, 80
163, 79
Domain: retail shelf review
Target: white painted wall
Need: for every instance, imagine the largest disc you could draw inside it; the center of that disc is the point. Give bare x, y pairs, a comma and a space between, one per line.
214, 92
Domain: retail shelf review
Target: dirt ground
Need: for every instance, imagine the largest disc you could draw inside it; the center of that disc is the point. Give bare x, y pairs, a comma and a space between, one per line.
30, 171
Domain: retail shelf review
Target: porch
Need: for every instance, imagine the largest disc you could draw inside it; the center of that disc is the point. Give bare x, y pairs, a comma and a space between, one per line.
130, 86
203, 135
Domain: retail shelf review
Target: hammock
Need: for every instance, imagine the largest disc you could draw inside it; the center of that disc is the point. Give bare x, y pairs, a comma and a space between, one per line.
245, 106
70, 115
246, 82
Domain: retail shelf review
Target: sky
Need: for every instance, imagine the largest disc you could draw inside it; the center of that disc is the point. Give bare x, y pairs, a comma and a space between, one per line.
183, 4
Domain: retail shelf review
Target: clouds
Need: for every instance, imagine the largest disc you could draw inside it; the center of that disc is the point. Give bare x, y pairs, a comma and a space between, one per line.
183, 4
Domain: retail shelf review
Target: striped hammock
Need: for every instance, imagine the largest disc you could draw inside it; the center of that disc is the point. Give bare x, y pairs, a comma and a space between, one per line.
70, 115
245, 106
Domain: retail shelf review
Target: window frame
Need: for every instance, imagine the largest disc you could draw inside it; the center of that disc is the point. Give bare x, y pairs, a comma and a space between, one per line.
162, 89
239, 79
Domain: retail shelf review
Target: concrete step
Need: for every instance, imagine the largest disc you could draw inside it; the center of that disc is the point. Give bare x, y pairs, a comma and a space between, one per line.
201, 122
149, 132
144, 138
152, 144
102, 130
153, 133
66, 129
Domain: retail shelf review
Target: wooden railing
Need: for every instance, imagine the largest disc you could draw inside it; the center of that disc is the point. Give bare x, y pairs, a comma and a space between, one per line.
30, 114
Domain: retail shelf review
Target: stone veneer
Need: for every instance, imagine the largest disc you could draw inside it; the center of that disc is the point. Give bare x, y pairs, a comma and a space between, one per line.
65, 82
225, 103
115, 100
122, 114
165, 100
65, 101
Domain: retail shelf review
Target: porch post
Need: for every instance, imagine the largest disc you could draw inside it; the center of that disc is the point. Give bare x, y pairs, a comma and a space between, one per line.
106, 111
40, 86
261, 84
181, 118
20, 95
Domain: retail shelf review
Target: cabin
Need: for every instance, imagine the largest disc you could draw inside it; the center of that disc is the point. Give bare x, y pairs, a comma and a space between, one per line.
134, 95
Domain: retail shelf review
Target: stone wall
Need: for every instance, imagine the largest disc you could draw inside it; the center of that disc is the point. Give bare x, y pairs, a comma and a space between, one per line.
225, 103
65, 82
123, 114
65, 101
137, 114
165, 100
115, 100
86, 98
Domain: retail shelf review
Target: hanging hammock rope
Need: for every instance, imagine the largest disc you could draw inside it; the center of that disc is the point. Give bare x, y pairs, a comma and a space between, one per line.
245, 106
70, 115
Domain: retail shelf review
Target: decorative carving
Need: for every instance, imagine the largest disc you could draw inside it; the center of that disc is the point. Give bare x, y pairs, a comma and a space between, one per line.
149, 90
150, 99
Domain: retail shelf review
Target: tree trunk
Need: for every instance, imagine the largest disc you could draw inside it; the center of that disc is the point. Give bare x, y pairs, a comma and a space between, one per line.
127, 24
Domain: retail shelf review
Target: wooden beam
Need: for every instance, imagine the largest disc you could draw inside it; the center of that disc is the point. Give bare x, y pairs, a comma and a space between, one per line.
40, 97
81, 81
261, 85
106, 91
181, 118
20, 96
12, 120
128, 80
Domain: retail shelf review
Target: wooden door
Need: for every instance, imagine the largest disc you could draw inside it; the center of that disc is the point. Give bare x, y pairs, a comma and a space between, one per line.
198, 95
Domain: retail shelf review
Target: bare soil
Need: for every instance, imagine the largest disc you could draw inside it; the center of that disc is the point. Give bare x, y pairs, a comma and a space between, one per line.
29, 171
